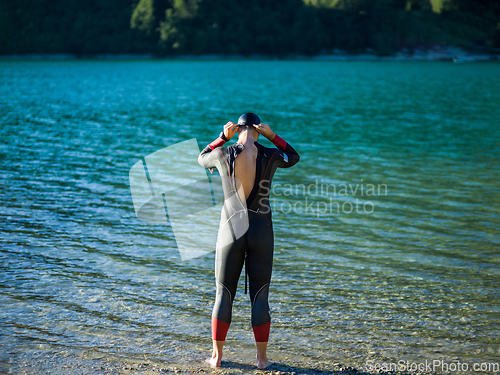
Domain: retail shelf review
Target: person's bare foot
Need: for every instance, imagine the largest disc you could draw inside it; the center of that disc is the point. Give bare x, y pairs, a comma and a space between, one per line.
214, 361
262, 364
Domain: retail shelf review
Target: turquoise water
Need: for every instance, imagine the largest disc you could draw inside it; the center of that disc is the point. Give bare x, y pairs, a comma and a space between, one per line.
401, 262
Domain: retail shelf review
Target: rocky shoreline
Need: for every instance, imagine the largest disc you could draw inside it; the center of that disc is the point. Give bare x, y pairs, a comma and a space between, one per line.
452, 54
228, 367
57, 364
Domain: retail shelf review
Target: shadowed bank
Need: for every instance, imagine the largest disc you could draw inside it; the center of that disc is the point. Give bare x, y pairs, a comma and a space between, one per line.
266, 28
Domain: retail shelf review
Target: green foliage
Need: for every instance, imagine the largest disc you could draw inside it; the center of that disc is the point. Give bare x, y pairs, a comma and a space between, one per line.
245, 27
322, 3
143, 18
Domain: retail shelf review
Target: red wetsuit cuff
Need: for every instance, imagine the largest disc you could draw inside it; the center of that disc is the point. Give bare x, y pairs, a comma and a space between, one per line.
217, 143
219, 329
261, 333
279, 142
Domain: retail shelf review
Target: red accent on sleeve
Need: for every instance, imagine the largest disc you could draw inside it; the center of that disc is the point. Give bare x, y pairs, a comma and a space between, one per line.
261, 333
219, 329
279, 142
217, 143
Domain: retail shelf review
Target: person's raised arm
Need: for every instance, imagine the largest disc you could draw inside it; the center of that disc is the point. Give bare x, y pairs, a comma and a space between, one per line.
205, 159
290, 156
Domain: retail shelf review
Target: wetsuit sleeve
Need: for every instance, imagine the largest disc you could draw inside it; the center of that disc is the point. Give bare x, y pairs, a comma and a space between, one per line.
207, 157
289, 157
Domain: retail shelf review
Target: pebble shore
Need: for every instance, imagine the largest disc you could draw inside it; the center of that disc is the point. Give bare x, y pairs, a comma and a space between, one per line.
230, 368
437, 53
56, 364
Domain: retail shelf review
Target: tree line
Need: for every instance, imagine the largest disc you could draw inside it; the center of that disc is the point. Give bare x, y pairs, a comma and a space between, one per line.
245, 27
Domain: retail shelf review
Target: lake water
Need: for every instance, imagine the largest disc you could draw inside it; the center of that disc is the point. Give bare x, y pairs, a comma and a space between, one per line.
400, 262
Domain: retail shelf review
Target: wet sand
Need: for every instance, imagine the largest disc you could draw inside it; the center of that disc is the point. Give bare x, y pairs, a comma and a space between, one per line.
228, 367
69, 364
197, 367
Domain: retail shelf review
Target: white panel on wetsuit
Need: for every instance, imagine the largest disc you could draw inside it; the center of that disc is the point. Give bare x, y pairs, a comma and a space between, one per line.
233, 221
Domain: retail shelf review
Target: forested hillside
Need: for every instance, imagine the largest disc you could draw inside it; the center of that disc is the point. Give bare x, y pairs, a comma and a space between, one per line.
245, 27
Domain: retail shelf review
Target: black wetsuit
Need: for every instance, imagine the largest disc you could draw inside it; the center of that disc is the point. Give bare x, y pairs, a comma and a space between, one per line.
246, 230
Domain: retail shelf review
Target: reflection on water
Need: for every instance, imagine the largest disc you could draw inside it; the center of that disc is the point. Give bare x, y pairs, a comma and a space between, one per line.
83, 279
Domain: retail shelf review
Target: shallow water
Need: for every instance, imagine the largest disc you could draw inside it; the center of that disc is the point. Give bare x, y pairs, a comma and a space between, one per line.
402, 264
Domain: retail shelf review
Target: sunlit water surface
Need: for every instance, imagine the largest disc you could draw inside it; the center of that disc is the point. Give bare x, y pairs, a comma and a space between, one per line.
83, 280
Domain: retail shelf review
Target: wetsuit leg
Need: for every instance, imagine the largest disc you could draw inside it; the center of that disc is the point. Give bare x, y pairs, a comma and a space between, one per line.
228, 265
259, 264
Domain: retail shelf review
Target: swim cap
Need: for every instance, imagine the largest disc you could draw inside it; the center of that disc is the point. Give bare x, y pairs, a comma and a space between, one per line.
248, 119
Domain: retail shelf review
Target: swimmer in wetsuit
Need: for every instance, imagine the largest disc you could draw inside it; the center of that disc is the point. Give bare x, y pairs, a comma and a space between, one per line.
246, 232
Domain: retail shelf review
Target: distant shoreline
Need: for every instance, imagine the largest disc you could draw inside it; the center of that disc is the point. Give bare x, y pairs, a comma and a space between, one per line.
451, 54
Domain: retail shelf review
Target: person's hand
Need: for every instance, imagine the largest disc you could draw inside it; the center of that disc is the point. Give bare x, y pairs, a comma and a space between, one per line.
230, 129
265, 130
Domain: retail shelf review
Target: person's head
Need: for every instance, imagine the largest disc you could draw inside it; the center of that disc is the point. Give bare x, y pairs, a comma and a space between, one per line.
245, 123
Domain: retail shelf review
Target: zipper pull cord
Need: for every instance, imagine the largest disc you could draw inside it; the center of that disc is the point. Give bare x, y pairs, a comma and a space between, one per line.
245, 273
